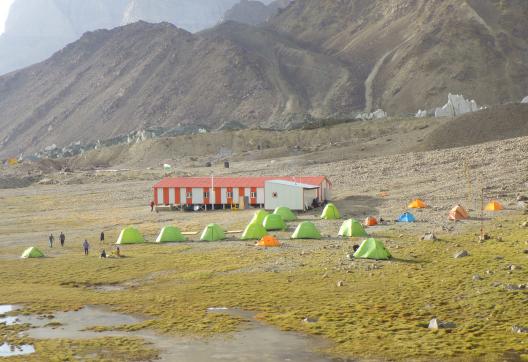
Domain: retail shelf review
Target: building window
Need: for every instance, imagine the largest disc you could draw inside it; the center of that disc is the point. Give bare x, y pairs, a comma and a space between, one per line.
229, 195
253, 195
206, 195
274, 195
189, 195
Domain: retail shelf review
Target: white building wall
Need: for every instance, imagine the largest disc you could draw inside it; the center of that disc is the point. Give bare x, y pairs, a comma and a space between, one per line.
212, 196
309, 196
172, 195
160, 196
197, 195
224, 195
260, 196
236, 195
289, 196
183, 195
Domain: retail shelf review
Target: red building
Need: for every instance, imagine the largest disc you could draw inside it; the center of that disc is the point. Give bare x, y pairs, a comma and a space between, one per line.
226, 191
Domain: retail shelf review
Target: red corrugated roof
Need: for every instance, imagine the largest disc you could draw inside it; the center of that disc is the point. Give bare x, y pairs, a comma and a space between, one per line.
242, 181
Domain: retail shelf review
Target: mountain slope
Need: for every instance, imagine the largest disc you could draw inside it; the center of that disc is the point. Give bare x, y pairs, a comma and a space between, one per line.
141, 75
409, 54
36, 29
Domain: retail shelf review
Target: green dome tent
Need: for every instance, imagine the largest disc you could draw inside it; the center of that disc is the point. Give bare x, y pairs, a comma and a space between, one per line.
306, 230
254, 232
170, 234
352, 228
273, 222
330, 212
212, 232
286, 213
259, 217
372, 249
32, 253
130, 235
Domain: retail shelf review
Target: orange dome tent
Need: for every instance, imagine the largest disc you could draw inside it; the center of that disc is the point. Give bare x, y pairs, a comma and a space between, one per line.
458, 213
371, 221
417, 204
494, 206
268, 241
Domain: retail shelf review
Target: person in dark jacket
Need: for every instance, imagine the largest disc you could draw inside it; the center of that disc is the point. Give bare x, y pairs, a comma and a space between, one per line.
62, 238
51, 238
86, 247
101, 237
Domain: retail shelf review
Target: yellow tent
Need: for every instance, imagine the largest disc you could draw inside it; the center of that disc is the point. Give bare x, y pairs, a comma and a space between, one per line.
494, 206
417, 204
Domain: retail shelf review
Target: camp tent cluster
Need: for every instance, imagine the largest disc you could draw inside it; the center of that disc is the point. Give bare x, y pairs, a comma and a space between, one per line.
263, 222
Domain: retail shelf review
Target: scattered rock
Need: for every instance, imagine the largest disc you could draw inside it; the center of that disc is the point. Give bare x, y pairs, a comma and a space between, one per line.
524, 224
496, 284
525, 251
522, 198
340, 283
350, 256
436, 324
515, 286
461, 254
498, 257
310, 320
514, 267
499, 239
477, 277
519, 329
484, 237
429, 237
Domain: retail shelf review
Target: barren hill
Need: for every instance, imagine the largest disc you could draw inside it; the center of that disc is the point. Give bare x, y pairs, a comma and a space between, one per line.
140, 75
496, 123
408, 54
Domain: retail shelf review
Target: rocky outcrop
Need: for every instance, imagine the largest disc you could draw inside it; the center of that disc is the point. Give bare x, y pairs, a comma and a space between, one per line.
456, 106
525, 100
377, 114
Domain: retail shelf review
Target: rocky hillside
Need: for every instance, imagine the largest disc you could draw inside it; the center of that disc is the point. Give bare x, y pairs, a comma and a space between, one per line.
144, 75
36, 29
314, 59
408, 54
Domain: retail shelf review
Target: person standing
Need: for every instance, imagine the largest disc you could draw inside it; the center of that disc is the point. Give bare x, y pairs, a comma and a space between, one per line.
152, 206
51, 238
62, 238
101, 237
86, 247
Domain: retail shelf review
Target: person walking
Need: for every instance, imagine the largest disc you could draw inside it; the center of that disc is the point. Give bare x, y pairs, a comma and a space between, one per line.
62, 238
86, 247
101, 237
51, 238
152, 206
